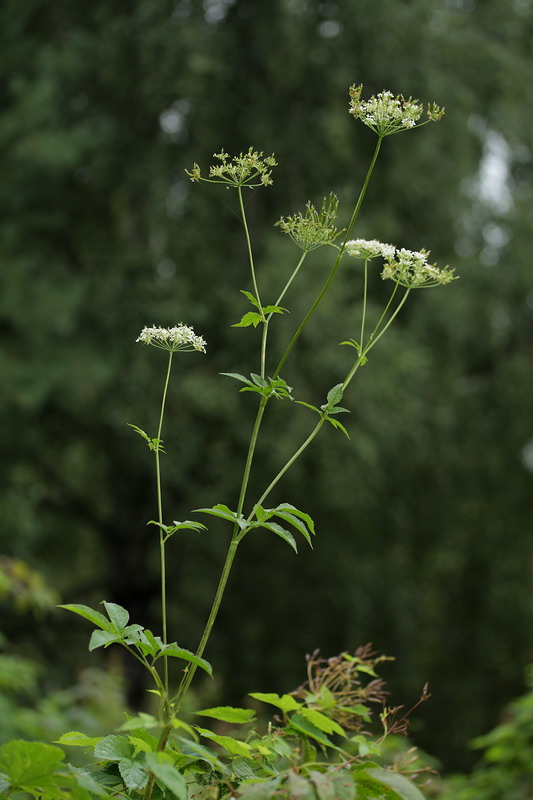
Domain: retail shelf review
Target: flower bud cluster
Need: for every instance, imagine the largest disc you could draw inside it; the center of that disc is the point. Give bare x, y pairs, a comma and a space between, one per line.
314, 228
385, 113
180, 337
247, 169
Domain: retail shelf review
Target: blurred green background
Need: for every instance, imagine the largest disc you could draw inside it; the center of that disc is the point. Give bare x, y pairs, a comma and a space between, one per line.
424, 516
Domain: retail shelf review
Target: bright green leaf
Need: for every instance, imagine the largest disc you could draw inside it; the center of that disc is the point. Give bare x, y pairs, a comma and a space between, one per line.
179, 652
279, 531
233, 746
133, 773
118, 615
399, 784
321, 721
285, 702
27, 764
252, 298
303, 725
297, 513
335, 394
228, 714
250, 318
143, 721
76, 739
102, 639
167, 774
89, 613
113, 748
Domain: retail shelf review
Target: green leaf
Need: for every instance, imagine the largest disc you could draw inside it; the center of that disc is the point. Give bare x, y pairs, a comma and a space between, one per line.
298, 524
102, 639
233, 746
167, 774
190, 748
251, 297
174, 651
113, 748
279, 531
399, 784
258, 380
338, 425
228, 714
335, 394
88, 613
250, 318
275, 310
27, 764
299, 787
237, 376
297, 513
344, 787
142, 721
76, 739
118, 615
307, 405
86, 781
259, 790
303, 725
222, 511
133, 773
140, 432
321, 721
286, 702
324, 784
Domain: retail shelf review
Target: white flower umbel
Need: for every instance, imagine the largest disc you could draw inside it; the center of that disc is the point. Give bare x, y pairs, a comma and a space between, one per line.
386, 113
366, 249
180, 337
411, 269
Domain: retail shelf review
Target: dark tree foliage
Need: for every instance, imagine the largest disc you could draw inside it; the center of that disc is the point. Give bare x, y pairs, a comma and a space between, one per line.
424, 516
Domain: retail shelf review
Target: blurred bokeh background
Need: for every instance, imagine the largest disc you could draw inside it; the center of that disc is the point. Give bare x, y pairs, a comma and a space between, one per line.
424, 542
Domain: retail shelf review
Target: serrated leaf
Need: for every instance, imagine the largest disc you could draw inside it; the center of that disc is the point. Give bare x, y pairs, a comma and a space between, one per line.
321, 721
259, 512
304, 726
338, 425
275, 310
324, 785
250, 318
243, 768
335, 394
251, 297
118, 615
228, 714
297, 513
258, 380
297, 523
219, 510
113, 748
28, 764
201, 752
102, 639
167, 774
86, 612
399, 784
133, 773
339, 410
279, 531
299, 787
77, 739
174, 651
286, 702
86, 781
233, 746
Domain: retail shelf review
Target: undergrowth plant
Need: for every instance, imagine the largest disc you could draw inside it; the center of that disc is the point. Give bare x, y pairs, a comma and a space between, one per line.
319, 744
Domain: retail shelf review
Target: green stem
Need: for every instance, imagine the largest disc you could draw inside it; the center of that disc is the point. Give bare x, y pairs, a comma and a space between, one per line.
160, 519
363, 317
336, 265
284, 469
373, 341
254, 280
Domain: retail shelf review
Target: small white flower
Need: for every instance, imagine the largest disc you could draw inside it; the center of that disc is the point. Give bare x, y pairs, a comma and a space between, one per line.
180, 337
369, 248
410, 268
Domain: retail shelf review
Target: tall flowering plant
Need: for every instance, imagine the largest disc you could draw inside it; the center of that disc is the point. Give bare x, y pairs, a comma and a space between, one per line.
318, 746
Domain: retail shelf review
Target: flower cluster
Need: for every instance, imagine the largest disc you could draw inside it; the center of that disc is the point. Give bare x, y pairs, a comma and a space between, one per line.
385, 113
180, 337
369, 248
247, 169
411, 269
314, 228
